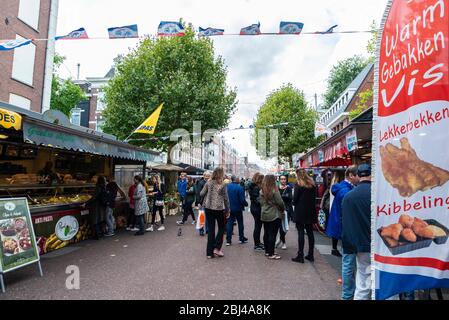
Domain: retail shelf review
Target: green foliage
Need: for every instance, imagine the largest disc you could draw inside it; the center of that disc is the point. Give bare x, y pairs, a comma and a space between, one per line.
65, 94
364, 97
341, 76
371, 48
183, 73
288, 105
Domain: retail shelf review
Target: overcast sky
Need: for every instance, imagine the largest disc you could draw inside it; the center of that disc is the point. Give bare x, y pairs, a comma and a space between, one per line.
257, 65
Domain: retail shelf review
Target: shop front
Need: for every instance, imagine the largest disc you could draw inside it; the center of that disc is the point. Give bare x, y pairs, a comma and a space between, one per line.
55, 168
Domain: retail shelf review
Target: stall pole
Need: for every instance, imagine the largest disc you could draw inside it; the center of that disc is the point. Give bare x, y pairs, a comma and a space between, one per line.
40, 268
2, 283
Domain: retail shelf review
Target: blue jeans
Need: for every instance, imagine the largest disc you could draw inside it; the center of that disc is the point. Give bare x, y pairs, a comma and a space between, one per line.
235, 215
110, 220
348, 276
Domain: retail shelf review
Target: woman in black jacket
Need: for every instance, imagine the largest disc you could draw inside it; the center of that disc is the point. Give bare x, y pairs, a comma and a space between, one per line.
98, 205
287, 196
305, 213
255, 208
158, 203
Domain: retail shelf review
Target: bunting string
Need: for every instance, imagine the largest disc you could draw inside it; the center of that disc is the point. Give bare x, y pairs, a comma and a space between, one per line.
175, 29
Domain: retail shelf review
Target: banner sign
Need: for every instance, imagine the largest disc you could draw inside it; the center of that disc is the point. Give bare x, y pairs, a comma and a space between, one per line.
410, 226
18, 244
10, 119
351, 140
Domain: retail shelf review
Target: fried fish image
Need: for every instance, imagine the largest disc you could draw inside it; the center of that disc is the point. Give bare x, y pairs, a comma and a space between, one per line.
406, 221
392, 231
406, 172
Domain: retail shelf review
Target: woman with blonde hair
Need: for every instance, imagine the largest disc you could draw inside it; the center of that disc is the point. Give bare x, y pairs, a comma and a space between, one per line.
305, 213
272, 213
216, 204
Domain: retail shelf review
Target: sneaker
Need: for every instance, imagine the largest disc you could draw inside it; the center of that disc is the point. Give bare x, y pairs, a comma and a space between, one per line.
194, 222
218, 253
180, 223
259, 248
135, 229
228, 244
244, 240
150, 229
298, 259
128, 229
210, 257
161, 228
109, 234
274, 257
336, 253
284, 246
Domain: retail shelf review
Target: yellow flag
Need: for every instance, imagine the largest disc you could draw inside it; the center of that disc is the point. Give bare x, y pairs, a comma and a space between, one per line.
149, 125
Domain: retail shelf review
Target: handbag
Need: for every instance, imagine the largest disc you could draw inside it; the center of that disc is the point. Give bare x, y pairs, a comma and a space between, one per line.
200, 221
322, 219
285, 222
159, 203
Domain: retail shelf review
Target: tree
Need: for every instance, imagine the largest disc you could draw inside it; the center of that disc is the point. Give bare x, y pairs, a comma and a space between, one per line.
341, 76
371, 48
181, 72
365, 102
65, 94
286, 109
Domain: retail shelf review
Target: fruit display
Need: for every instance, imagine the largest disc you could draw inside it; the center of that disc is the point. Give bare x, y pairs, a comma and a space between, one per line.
53, 243
60, 200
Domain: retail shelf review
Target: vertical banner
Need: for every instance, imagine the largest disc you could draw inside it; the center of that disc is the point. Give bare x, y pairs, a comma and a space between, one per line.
410, 149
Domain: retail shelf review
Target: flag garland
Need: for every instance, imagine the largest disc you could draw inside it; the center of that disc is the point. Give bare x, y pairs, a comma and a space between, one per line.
123, 32
167, 28
75, 34
208, 32
14, 44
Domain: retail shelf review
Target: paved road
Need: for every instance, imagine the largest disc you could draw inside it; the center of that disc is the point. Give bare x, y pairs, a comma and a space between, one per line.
161, 265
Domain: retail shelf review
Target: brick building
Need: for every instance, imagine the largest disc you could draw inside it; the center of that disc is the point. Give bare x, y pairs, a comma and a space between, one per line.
26, 72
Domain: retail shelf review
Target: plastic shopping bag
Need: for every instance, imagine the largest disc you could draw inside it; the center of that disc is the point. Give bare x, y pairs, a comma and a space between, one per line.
285, 224
201, 219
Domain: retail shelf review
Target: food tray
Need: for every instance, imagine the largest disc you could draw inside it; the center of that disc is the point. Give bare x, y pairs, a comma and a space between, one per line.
439, 240
420, 243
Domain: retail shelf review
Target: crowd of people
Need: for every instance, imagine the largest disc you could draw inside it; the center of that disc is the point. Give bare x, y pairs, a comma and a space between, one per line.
273, 203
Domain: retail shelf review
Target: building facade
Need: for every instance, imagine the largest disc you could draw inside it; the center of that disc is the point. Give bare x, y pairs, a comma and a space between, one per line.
93, 110
26, 72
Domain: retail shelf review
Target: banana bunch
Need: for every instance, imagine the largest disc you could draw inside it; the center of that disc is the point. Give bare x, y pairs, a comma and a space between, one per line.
53, 243
83, 233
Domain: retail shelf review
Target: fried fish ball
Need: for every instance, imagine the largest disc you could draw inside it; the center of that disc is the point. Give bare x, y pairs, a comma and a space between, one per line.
418, 224
392, 231
406, 221
408, 235
391, 242
425, 232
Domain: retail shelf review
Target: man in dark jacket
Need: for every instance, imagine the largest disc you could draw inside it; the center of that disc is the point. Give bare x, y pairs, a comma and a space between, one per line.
238, 203
199, 186
356, 234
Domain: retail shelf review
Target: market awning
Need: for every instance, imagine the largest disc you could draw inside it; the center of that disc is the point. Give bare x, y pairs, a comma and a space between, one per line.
336, 151
189, 169
51, 135
167, 167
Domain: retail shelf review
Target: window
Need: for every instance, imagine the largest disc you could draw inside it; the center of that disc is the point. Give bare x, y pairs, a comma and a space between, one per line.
100, 124
19, 101
100, 103
75, 117
29, 11
23, 64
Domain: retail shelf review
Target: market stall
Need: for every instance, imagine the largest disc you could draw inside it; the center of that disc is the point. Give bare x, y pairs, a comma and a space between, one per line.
55, 168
